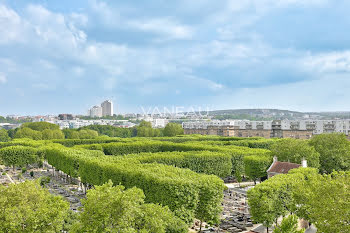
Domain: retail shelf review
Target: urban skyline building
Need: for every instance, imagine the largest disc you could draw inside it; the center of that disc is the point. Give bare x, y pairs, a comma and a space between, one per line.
107, 108
95, 111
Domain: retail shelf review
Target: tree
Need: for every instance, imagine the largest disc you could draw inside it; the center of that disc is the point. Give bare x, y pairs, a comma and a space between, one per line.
144, 129
110, 131
18, 156
87, 134
173, 129
255, 166
4, 137
52, 134
328, 202
321, 199
334, 150
294, 151
27, 207
28, 133
40, 126
288, 225
114, 209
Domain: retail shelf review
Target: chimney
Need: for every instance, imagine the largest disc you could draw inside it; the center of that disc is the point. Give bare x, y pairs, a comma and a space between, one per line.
275, 159
303, 163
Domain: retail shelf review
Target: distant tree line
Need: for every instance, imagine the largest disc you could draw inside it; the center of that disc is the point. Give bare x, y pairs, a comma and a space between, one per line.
48, 131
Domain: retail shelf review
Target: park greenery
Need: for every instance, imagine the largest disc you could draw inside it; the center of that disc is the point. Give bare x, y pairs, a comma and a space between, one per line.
167, 180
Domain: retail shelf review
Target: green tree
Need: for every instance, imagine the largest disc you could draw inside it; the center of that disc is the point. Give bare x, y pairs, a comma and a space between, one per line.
40, 126
18, 156
28, 133
114, 209
87, 134
4, 137
27, 207
52, 134
110, 131
144, 129
173, 129
255, 166
334, 150
294, 151
12, 132
328, 202
288, 225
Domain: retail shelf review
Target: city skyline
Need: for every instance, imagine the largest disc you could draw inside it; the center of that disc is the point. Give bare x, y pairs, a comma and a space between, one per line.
59, 57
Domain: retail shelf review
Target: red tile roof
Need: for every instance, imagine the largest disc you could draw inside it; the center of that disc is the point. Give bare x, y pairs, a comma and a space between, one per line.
282, 167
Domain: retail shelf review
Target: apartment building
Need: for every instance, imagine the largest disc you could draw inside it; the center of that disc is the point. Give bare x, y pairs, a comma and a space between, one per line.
302, 129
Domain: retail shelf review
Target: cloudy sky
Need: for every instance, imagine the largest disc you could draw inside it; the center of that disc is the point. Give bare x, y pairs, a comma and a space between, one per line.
64, 56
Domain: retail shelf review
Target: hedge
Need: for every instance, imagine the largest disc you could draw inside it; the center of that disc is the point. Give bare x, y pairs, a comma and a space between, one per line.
256, 166
199, 138
188, 194
208, 162
24, 142
18, 156
237, 153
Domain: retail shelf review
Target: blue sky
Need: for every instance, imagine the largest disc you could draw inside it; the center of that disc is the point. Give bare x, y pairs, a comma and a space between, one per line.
65, 56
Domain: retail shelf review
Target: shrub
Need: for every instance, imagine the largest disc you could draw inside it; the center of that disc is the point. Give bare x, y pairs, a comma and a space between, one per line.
211, 163
18, 156
256, 166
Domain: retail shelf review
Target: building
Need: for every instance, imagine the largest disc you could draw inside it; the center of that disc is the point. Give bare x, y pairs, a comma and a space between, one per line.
95, 111
107, 108
65, 117
244, 128
159, 123
278, 167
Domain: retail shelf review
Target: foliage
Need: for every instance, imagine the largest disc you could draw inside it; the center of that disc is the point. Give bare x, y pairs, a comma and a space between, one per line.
44, 180
334, 150
114, 209
256, 166
321, 199
28, 133
40, 126
18, 155
186, 193
26, 207
144, 129
294, 151
288, 225
173, 129
87, 134
48, 134
4, 137
327, 199
212, 163
110, 131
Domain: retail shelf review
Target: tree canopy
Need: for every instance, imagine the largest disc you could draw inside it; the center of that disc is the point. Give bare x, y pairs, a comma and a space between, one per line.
288, 225
18, 156
4, 137
321, 199
27, 207
334, 150
114, 209
28, 133
40, 126
294, 151
173, 129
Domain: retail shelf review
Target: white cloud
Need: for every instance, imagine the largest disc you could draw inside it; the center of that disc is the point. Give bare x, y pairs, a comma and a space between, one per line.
163, 26
328, 62
3, 79
10, 26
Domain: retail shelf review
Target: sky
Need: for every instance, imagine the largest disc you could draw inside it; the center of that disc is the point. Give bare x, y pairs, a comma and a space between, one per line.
66, 56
